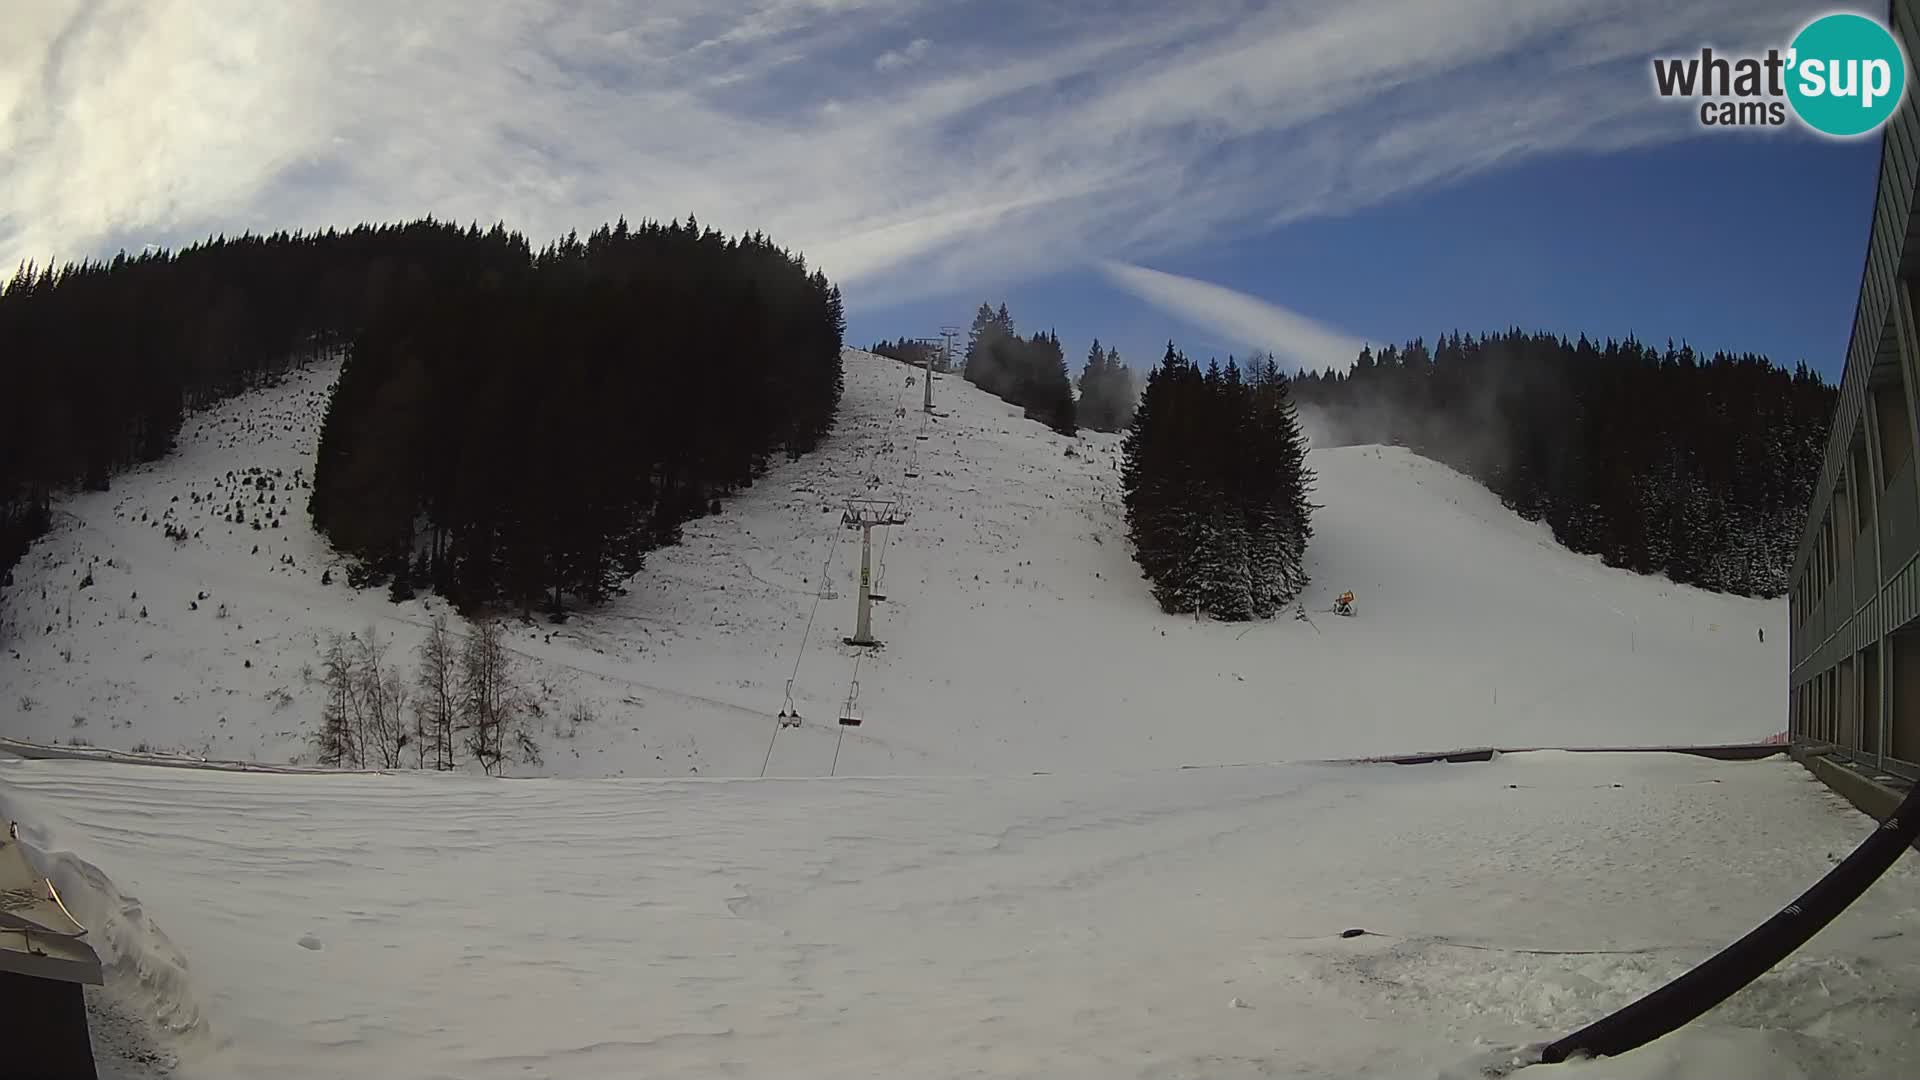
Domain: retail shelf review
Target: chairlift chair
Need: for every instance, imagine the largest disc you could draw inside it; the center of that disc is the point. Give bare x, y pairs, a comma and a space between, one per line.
789, 712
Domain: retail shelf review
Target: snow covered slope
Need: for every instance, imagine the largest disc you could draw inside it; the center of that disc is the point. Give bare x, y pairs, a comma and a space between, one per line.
1019, 635
1176, 923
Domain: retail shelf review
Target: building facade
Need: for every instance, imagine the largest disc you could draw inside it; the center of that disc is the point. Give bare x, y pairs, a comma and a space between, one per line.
1855, 595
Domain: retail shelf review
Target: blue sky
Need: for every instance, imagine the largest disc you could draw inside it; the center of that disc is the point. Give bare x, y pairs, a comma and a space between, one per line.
1745, 243
1289, 174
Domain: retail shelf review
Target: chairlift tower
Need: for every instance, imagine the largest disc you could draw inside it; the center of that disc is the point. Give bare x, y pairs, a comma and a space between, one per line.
946, 360
865, 514
927, 345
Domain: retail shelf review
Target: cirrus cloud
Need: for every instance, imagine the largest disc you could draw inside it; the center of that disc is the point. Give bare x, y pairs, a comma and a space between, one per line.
1031, 139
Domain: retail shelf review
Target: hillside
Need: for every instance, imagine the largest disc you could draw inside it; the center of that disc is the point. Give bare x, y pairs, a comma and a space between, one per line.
1018, 633
1014, 875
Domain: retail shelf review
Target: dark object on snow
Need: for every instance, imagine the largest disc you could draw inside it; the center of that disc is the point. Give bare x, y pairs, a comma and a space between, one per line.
1356, 932
1763, 635
1725, 973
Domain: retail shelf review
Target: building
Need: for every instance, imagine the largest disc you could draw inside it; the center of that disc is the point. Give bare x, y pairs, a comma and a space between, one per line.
1855, 593
44, 964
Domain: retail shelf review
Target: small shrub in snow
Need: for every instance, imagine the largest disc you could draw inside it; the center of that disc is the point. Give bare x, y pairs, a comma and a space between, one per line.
577, 717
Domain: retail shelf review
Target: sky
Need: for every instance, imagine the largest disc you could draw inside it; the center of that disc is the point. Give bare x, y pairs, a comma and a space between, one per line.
1295, 176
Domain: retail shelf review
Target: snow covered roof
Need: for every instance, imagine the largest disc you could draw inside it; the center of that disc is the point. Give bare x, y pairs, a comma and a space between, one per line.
38, 937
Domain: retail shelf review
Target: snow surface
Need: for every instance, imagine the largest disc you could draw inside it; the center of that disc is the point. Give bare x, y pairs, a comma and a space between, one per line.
1019, 634
1173, 923
1021, 877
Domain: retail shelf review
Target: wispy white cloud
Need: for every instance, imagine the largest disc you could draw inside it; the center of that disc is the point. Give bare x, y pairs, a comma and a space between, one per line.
895, 59
1025, 142
1249, 322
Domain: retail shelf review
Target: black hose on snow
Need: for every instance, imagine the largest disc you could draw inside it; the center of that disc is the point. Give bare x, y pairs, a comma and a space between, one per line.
1725, 973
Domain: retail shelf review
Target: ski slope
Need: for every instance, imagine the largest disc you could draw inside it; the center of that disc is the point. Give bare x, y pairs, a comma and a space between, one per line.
1175, 923
1019, 634
1073, 837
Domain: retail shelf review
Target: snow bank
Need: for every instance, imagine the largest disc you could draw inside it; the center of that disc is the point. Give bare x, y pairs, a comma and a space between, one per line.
145, 974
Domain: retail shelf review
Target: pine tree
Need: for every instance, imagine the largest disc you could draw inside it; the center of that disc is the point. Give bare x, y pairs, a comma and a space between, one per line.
1119, 392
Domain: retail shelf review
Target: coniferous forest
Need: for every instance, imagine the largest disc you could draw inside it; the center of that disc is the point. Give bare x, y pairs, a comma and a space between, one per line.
909, 351
1215, 485
1029, 372
529, 438
508, 426
1660, 461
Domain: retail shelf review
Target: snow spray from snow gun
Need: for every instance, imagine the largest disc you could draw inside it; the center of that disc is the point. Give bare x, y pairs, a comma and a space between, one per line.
1722, 975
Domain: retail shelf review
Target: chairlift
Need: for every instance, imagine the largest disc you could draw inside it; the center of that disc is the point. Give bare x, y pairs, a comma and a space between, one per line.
848, 716
789, 712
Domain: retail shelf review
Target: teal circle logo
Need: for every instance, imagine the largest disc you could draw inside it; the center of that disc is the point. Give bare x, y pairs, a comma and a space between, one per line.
1845, 74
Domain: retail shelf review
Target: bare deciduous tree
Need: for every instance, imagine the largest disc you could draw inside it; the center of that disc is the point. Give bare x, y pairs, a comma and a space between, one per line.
339, 735
382, 692
438, 705
493, 705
